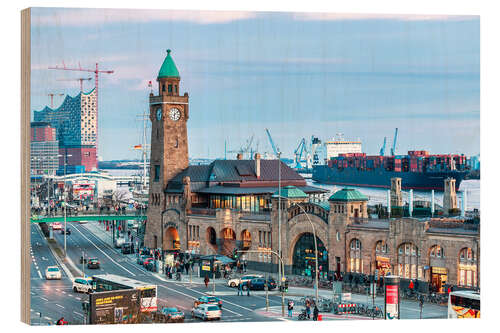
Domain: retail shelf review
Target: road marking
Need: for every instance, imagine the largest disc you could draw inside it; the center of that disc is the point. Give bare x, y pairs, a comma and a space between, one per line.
39, 274
77, 313
60, 306
236, 313
46, 300
43, 258
48, 318
104, 252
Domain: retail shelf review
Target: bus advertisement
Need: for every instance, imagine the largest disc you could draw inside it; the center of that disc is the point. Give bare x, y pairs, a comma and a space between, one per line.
115, 307
109, 282
464, 304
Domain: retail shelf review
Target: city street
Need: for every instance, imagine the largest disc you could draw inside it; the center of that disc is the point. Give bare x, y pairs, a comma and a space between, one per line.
54, 299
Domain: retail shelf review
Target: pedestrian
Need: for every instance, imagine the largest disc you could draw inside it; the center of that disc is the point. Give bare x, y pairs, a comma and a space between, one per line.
290, 309
247, 283
315, 313
206, 280
240, 287
308, 309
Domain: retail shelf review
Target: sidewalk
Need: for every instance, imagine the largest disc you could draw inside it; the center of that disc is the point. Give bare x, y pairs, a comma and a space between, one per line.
275, 312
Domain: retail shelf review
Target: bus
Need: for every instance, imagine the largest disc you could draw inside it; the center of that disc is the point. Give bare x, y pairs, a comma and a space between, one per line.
107, 282
464, 304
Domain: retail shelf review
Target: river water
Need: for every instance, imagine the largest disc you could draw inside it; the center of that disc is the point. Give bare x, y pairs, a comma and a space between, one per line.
379, 196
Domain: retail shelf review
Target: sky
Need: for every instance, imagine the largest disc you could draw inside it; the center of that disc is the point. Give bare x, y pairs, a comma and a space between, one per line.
297, 74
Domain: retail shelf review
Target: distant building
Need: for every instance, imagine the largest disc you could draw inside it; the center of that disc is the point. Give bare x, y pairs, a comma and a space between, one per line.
44, 149
76, 124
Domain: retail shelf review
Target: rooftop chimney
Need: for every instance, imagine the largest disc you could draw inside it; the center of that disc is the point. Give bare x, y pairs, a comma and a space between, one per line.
257, 165
239, 156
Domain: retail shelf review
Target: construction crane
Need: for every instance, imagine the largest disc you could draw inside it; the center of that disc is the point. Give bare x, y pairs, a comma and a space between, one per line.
96, 71
80, 79
52, 99
393, 149
275, 150
382, 150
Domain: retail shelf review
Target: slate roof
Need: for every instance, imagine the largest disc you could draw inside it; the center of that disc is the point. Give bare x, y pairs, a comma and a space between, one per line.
348, 194
239, 177
218, 189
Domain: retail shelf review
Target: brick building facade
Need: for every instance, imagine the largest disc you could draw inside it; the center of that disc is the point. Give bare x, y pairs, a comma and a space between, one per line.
233, 205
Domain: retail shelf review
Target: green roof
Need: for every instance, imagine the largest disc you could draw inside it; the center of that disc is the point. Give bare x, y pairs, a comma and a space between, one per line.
168, 68
348, 194
291, 192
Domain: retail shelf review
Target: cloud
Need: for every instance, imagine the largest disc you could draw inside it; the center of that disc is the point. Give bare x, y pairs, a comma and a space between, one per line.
397, 17
88, 17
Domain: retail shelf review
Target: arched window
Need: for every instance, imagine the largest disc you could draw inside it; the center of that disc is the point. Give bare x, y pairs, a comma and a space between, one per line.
467, 268
356, 262
408, 267
381, 248
437, 252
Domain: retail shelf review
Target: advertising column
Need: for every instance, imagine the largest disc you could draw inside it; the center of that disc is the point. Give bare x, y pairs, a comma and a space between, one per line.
391, 283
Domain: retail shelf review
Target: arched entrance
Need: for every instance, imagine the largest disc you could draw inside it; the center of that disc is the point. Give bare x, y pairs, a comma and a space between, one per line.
304, 260
171, 239
228, 241
212, 237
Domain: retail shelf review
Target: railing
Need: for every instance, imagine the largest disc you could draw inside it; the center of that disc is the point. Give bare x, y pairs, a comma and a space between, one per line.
75, 211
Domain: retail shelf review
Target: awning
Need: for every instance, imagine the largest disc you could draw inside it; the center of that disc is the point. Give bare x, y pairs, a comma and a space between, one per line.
217, 257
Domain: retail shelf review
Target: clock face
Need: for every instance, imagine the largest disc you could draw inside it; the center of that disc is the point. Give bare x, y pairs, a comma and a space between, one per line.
174, 114
158, 114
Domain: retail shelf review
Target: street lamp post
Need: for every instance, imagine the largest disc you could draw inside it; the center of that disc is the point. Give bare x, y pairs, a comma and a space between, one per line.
279, 213
315, 248
282, 269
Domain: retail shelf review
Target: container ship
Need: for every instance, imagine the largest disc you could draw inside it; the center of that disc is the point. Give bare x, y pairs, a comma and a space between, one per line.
418, 170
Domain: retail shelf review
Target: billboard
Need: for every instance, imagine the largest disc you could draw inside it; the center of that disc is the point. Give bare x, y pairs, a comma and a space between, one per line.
115, 307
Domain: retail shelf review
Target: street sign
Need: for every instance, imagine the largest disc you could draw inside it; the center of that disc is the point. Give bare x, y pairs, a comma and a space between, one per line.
376, 274
346, 296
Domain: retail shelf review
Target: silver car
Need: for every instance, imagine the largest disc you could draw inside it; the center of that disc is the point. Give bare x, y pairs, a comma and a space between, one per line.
207, 312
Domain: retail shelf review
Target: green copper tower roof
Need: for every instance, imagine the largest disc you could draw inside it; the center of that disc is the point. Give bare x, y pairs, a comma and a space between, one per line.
348, 194
168, 68
291, 192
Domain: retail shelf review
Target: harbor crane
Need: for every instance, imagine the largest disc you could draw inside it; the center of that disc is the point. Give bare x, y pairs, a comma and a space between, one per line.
51, 95
245, 149
80, 79
382, 150
275, 150
96, 71
299, 153
393, 149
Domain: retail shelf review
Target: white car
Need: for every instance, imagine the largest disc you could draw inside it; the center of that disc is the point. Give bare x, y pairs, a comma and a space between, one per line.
236, 282
119, 242
82, 285
207, 312
53, 273
56, 226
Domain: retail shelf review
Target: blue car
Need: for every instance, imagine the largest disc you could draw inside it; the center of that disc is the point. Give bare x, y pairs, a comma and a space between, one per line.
173, 315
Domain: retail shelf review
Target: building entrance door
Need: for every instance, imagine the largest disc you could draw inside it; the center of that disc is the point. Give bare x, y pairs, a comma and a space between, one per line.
439, 277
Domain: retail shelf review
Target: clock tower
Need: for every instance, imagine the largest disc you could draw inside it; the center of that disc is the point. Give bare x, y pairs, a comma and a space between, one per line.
168, 112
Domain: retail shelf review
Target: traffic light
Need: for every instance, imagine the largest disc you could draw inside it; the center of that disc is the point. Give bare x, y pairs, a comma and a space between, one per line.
443, 283
286, 286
